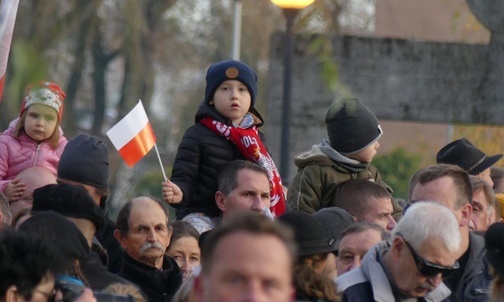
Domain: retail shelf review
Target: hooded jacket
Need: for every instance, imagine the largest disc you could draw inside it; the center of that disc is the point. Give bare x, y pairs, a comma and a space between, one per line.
20, 153
370, 282
200, 157
320, 171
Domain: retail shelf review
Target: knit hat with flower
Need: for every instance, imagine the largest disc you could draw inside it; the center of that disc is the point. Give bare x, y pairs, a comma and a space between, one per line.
44, 93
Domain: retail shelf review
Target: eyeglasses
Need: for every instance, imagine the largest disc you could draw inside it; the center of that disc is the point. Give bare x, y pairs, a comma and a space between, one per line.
429, 269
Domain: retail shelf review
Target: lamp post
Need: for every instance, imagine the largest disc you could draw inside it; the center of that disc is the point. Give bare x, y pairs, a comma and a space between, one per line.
291, 9
237, 22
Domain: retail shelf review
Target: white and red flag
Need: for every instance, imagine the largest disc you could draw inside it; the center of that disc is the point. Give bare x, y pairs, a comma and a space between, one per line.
8, 11
133, 136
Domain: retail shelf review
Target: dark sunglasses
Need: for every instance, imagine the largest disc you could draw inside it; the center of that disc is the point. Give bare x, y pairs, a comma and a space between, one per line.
429, 269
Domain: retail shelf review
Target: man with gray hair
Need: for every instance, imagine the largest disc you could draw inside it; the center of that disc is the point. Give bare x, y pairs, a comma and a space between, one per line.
354, 243
143, 231
423, 250
483, 204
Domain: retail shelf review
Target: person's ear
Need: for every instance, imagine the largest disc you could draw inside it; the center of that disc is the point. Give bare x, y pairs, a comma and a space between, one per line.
397, 248
12, 294
170, 232
220, 200
491, 218
211, 102
466, 212
120, 238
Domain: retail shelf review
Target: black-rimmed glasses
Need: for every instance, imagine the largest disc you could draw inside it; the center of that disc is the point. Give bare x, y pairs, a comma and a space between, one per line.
429, 269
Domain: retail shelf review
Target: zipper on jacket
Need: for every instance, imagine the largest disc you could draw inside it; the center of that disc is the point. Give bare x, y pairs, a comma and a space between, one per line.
36, 156
480, 291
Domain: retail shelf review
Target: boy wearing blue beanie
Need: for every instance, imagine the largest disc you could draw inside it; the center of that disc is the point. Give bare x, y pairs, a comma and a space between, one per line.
225, 129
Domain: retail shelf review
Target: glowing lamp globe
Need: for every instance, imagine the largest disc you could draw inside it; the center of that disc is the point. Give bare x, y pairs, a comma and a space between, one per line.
292, 4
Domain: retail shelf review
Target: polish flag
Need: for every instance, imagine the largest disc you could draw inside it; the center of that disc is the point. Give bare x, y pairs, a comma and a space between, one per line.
8, 12
133, 136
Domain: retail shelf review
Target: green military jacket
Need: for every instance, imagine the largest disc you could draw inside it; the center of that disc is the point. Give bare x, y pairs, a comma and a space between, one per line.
320, 171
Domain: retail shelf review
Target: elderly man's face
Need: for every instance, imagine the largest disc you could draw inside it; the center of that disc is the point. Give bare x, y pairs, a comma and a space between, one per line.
408, 278
252, 193
148, 235
353, 247
481, 215
247, 267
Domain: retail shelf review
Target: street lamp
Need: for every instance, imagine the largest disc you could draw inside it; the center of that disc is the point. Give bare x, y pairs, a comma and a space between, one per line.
290, 8
237, 22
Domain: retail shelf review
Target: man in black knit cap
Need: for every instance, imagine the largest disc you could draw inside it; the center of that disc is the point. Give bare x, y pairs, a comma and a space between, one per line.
85, 162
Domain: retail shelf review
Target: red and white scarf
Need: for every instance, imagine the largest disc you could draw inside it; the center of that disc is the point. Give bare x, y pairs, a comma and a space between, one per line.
252, 148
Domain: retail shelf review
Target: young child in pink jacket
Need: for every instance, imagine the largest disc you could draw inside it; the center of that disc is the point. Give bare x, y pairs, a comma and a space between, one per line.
34, 139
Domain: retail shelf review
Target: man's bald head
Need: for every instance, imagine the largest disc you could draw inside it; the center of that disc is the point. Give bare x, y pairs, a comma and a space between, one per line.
33, 178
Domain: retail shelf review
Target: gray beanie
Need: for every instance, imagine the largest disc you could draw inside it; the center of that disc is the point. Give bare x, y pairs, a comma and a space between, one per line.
351, 126
85, 160
334, 220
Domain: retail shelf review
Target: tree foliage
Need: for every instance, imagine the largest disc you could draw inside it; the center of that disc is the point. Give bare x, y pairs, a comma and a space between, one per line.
396, 168
107, 54
486, 138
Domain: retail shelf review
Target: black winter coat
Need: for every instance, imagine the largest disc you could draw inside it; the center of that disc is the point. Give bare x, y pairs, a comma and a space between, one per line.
157, 285
114, 251
201, 155
97, 275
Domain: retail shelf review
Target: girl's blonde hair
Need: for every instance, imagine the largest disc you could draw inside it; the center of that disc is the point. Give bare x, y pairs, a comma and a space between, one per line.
52, 140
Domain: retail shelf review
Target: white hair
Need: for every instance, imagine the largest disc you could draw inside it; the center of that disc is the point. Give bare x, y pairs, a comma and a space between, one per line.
428, 220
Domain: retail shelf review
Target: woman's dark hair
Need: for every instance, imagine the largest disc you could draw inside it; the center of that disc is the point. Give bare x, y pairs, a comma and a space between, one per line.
26, 260
62, 234
183, 229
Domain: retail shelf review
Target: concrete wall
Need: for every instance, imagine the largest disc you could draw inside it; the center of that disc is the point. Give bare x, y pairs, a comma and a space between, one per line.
427, 78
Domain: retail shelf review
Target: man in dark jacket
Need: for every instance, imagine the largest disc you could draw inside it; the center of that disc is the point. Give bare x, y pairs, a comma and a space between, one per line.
84, 162
450, 186
74, 203
422, 251
144, 233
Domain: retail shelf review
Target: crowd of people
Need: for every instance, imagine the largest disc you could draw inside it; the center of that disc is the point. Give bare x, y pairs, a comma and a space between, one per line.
335, 234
